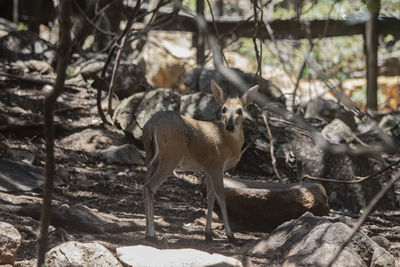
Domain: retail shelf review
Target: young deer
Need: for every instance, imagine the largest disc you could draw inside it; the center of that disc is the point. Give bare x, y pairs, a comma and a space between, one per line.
173, 141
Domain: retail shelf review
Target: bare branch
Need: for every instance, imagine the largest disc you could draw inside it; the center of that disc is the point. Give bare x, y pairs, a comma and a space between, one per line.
63, 54
271, 147
359, 179
364, 216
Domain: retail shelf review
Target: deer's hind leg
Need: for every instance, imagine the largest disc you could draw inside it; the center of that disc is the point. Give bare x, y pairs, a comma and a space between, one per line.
157, 173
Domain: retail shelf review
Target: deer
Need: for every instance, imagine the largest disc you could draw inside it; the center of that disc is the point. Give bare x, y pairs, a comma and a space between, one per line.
172, 141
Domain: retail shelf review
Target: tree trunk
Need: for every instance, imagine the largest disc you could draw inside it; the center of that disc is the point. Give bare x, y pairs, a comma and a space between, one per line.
371, 38
63, 54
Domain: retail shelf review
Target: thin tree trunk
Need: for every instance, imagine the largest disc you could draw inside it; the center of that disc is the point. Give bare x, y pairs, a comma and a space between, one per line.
63, 54
199, 39
371, 38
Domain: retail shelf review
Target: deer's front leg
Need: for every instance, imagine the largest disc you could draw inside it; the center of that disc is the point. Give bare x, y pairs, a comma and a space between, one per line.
210, 207
218, 185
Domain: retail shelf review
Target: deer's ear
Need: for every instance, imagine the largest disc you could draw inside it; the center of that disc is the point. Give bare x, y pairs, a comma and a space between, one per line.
247, 98
218, 92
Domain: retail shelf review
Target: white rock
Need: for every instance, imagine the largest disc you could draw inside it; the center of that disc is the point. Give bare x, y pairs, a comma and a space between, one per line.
144, 256
80, 254
10, 240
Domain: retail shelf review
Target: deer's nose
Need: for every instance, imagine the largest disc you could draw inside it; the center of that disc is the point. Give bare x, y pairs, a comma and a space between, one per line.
229, 126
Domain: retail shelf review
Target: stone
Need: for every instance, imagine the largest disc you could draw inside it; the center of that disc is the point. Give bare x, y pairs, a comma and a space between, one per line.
25, 45
327, 110
130, 79
198, 79
257, 205
92, 140
10, 240
80, 254
125, 154
134, 111
337, 132
311, 241
19, 176
143, 256
167, 58
313, 160
200, 106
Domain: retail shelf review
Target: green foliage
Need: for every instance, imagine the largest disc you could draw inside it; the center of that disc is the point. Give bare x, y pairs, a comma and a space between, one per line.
71, 73
22, 27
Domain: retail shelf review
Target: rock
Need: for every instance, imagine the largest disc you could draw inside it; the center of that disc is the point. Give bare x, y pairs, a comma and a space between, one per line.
80, 254
168, 58
311, 241
125, 154
7, 26
264, 206
390, 66
133, 112
312, 160
19, 176
130, 80
389, 122
10, 240
199, 106
92, 140
143, 256
337, 132
327, 110
198, 79
25, 45
382, 241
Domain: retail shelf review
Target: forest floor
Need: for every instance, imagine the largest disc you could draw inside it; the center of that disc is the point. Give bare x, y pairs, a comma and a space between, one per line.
115, 189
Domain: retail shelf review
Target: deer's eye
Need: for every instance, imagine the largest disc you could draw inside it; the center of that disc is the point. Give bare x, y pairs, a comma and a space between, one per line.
224, 110
239, 111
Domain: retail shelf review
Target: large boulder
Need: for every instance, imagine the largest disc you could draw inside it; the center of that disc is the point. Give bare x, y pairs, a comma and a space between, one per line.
130, 78
92, 139
80, 254
10, 240
126, 154
200, 106
25, 45
133, 112
19, 176
141, 256
258, 205
198, 79
313, 160
311, 241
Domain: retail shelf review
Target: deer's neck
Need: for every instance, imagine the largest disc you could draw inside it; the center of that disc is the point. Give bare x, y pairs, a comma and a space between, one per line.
234, 140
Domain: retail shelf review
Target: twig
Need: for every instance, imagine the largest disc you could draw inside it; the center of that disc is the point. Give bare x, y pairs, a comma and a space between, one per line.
221, 40
92, 22
119, 53
364, 216
63, 54
300, 74
359, 179
271, 147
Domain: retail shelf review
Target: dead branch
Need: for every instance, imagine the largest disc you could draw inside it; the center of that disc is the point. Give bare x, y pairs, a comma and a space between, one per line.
271, 147
364, 216
63, 54
119, 53
359, 179
92, 22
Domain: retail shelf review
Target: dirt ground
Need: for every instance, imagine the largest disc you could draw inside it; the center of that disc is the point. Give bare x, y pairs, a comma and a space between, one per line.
117, 189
